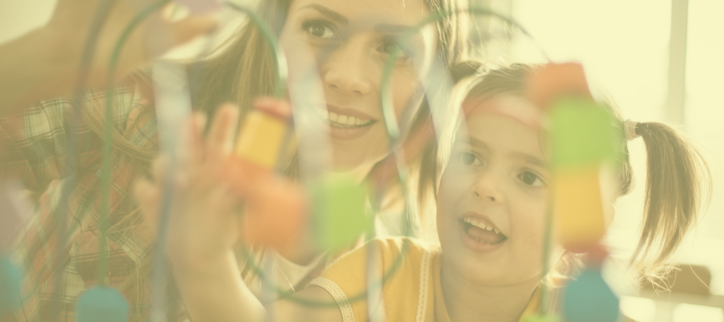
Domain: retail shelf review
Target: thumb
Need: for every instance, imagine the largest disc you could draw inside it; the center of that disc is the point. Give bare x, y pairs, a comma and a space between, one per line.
191, 27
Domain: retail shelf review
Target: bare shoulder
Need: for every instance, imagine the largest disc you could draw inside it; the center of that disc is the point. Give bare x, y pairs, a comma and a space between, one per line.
289, 310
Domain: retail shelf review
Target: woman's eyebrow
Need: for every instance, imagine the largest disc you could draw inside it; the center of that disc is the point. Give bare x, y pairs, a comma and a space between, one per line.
329, 13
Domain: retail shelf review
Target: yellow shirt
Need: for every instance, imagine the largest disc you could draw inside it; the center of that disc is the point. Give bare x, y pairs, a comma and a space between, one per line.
411, 293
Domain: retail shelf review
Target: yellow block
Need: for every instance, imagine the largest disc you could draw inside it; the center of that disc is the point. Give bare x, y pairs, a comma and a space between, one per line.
260, 139
579, 214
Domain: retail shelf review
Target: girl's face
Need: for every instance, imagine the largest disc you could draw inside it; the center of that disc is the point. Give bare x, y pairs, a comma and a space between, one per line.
350, 41
492, 199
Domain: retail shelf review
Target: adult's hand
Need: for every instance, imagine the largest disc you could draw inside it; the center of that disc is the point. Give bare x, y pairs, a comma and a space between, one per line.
45, 62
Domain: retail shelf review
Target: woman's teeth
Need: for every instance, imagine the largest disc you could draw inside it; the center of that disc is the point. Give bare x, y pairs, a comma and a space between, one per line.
342, 121
481, 225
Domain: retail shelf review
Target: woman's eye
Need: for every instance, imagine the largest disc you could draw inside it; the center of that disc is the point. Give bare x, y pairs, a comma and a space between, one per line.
318, 29
388, 46
469, 159
531, 179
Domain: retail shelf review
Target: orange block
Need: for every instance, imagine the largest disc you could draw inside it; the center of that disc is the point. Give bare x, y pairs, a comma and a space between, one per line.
276, 214
260, 139
555, 81
578, 208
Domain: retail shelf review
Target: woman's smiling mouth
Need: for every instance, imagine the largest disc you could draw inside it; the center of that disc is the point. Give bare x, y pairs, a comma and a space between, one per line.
345, 124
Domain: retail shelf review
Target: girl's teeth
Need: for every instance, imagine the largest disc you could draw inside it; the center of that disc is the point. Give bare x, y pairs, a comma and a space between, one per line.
481, 225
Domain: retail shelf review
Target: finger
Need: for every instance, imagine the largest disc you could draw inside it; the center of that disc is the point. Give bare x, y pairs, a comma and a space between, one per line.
280, 108
147, 196
159, 168
220, 138
185, 30
199, 124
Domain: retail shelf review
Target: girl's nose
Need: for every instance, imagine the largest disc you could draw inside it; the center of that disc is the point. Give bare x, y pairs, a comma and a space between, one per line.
487, 189
348, 70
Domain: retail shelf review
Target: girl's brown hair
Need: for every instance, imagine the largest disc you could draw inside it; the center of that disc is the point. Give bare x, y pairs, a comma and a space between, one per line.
677, 180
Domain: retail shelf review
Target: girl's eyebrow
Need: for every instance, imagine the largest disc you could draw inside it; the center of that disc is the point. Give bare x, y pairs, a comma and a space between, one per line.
329, 13
529, 159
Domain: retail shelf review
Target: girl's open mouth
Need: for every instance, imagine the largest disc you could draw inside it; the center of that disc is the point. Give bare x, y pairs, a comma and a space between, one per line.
480, 237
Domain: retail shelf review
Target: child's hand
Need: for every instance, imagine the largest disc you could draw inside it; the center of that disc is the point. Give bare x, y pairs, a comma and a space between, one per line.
204, 222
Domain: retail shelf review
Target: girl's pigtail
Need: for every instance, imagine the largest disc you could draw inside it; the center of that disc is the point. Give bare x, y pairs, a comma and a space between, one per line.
677, 184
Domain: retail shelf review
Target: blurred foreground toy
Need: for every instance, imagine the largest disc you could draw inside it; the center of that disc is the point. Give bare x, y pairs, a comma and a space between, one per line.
9, 287
12, 218
102, 304
278, 209
582, 139
541, 318
338, 207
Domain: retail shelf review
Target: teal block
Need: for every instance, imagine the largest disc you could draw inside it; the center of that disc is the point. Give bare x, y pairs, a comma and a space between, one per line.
540, 318
589, 299
582, 133
102, 304
9, 287
339, 211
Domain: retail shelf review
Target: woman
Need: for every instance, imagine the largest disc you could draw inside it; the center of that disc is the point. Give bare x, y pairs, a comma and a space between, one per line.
242, 70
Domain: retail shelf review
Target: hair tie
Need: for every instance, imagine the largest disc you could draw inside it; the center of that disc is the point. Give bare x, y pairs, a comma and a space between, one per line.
629, 129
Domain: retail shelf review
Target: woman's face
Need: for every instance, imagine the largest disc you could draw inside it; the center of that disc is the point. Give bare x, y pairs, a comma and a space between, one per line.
492, 199
350, 41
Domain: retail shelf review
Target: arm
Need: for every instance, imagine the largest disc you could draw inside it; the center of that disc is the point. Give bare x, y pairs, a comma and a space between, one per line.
44, 63
204, 225
216, 292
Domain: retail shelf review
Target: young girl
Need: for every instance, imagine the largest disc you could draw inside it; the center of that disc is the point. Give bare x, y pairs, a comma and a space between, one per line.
35, 139
492, 199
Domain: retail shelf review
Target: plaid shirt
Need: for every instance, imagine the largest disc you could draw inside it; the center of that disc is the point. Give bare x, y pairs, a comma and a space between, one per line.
34, 148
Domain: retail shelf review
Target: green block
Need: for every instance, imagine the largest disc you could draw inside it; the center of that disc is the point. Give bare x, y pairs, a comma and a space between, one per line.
582, 133
102, 304
9, 287
339, 211
540, 318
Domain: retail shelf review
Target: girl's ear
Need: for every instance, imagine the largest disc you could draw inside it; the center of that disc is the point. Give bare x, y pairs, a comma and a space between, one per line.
678, 183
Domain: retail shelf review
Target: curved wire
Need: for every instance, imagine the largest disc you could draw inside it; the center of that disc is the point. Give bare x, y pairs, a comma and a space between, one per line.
68, 187
108, 130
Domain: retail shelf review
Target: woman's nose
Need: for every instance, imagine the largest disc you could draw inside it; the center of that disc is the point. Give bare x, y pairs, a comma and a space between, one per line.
487, 188
348, 70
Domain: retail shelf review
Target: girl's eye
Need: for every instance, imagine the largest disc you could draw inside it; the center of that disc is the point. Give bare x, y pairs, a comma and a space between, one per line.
318, 29
469, 159
531, 179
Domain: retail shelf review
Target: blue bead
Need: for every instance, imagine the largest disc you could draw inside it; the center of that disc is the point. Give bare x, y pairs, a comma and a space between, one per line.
102, 304
9, 287
589, 299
